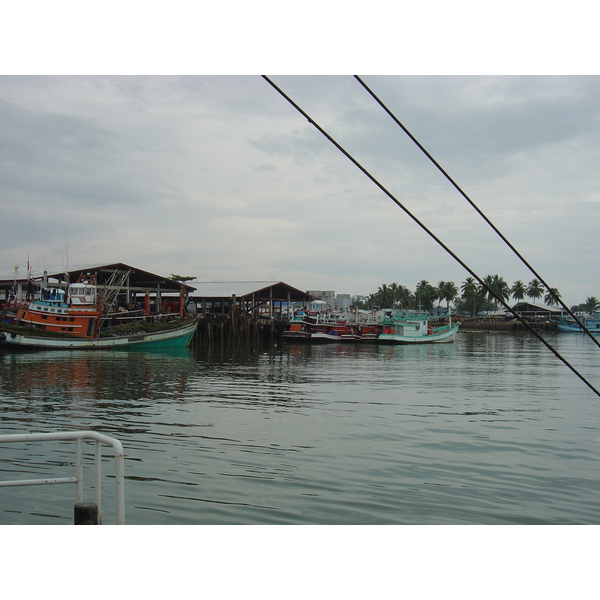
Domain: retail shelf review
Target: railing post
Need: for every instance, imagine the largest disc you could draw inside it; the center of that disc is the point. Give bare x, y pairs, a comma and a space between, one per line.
120, 486
97, 476
78, 479
79, 470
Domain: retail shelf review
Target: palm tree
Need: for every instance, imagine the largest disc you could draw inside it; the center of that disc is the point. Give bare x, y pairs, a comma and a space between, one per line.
384, 296
425, 295
472, 293
372, 300
497, 289
420, 292
591, 305
440, 291
405, 297
501, 288
535, 289
469, 287
551, 298
393, 289
518, 290
447, 291
489, 283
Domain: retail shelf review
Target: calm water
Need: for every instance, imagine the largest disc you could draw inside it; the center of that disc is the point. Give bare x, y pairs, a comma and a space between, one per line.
490, 430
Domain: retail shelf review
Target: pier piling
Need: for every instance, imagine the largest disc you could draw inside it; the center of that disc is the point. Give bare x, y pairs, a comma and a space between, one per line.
86, 513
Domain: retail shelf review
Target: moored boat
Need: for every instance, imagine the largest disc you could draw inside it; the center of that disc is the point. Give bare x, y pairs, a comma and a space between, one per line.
171, 337
571, 326
327, 327
396, 327
72, 318
415, 328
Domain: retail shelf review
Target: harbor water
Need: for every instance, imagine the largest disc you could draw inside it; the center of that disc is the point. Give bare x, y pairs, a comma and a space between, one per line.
492, 429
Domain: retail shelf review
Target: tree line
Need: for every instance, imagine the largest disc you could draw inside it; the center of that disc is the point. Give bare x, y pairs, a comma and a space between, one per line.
472, 297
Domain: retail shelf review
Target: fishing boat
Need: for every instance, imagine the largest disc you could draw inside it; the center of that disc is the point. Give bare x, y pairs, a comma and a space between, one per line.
415, 328
348, 327
316, 328
173, 337
73, 318
571, 326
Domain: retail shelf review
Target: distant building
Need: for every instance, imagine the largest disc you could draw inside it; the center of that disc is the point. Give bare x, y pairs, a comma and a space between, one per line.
537, 311
268, 298
337, 303
343, 301
328, 296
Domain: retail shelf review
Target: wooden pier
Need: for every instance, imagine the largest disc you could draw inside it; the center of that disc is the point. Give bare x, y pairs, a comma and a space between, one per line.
237, 329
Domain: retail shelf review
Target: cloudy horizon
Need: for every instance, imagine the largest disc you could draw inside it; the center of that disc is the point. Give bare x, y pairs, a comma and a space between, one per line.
219, 178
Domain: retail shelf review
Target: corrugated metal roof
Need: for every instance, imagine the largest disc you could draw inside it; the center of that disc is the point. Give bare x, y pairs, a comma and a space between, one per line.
226, 289
138, 277
534, 306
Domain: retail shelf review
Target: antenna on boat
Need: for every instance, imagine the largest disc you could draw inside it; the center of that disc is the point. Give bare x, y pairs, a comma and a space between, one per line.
15, 279
67, 240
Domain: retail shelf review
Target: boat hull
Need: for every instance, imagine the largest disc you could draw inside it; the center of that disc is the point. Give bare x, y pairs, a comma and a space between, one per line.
592, 327
442, 337
179, 337
327, 338
296, 336
402, 328
315, 331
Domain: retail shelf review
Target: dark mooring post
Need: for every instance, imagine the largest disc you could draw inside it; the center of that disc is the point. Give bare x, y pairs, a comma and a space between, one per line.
86, 513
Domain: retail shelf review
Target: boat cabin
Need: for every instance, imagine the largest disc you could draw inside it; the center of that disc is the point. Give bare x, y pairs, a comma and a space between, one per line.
53, 296
82, 294
407, 328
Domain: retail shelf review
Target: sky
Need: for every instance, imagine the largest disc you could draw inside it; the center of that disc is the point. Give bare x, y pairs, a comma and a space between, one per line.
217, 177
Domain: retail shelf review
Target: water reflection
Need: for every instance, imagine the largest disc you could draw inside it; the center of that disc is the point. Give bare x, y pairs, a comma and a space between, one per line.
80, 386
490, 429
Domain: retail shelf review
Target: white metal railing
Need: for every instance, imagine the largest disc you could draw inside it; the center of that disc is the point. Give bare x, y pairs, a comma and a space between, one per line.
78, 436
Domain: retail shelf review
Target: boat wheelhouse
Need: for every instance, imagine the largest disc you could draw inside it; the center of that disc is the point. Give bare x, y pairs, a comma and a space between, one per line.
73, 311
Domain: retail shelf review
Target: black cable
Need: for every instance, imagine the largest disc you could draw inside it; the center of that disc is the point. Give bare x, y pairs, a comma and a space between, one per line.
430, 233
481, 214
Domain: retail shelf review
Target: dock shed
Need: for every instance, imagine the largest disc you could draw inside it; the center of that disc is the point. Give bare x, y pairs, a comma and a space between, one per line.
132, 284
268, 299
536, 311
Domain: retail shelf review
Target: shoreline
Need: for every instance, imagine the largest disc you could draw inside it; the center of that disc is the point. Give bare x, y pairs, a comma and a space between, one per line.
499, 326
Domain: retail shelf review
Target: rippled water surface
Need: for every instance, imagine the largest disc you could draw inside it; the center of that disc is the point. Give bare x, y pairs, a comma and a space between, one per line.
492, 429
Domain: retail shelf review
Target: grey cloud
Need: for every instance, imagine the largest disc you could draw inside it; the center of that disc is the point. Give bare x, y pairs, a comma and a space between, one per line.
159, 170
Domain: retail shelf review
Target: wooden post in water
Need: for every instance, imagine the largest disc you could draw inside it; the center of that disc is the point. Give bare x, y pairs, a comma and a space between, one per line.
233, 322
86, 513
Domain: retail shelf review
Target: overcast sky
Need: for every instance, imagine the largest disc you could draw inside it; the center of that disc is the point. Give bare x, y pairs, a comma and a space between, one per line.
219, 178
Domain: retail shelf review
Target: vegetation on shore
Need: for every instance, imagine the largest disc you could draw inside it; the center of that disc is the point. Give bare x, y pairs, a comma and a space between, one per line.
470, 298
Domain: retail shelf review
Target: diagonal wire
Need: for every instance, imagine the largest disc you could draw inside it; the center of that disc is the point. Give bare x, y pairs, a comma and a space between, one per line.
430, 233
475, 207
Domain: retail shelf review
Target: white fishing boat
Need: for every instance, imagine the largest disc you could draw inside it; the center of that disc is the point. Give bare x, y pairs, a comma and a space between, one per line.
415, 328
